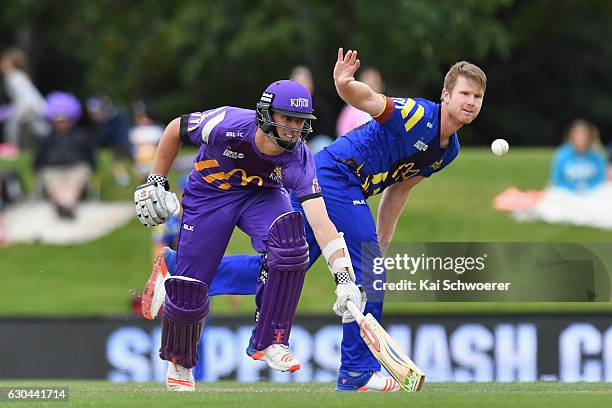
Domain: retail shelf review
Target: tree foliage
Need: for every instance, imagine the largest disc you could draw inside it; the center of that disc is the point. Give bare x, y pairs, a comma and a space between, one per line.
546, 60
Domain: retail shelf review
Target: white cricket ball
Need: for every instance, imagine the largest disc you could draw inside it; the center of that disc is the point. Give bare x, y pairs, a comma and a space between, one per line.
500, 147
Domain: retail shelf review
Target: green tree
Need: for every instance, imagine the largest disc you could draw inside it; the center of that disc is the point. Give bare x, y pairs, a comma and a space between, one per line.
546, 61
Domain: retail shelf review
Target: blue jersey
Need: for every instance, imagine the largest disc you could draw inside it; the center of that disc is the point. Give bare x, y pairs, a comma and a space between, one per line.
401, 143
578, 171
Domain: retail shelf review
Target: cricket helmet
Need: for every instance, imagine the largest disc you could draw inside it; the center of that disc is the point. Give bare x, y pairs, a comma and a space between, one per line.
288, 98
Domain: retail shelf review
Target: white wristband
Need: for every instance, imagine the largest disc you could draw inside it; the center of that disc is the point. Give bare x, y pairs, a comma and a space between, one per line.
344, 261
334, 245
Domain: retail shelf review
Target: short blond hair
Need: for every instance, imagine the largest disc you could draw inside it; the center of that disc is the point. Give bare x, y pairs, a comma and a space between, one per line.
467, 70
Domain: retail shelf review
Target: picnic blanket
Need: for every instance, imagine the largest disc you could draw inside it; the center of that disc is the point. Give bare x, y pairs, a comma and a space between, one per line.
559, 206
35, 221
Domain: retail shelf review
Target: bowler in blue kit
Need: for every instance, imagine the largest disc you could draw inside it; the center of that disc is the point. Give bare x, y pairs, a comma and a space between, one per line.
407, 140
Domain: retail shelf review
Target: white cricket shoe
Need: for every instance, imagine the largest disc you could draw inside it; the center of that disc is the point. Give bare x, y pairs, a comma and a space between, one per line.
154, 292
278, 358
179, 378
380, 382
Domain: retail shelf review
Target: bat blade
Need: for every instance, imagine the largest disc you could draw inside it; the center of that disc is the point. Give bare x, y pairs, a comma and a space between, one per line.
409, 376
389, 354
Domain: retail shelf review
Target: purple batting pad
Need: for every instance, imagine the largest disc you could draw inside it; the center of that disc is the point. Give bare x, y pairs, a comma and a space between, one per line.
287, 263
185, 308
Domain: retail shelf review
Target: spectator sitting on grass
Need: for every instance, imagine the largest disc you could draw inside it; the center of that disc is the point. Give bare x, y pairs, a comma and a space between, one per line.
579, 164
65, 159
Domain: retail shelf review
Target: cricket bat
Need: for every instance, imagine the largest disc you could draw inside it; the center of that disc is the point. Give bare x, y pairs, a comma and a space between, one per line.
387, 352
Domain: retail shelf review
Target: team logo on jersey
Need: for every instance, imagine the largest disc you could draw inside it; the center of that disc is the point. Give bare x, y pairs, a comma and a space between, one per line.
277, 175
315, 186
299, 102
437, 165
420, 145
244, 177
233, 155
221, 179
233, 134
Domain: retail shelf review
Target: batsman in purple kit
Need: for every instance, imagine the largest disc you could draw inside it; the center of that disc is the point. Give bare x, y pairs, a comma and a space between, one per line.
407, 141
246, 161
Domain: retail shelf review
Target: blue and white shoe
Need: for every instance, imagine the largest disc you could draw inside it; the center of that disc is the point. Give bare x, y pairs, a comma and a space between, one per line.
365, 381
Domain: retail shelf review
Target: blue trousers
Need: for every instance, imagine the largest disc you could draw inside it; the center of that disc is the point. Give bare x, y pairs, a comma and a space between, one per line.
348, 210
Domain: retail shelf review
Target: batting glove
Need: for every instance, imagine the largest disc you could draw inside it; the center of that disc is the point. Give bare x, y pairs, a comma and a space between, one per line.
154, 203
346, 291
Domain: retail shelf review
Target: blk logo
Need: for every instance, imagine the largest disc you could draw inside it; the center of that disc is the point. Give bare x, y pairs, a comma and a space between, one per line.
188, 227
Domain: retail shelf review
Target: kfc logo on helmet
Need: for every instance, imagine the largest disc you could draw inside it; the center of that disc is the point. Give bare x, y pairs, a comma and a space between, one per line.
299, 102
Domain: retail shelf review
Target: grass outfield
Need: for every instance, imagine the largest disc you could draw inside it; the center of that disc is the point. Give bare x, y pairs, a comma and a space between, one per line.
231, 394
454, 205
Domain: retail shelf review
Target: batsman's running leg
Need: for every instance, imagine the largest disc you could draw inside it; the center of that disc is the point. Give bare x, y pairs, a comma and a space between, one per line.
184, 313
237, 275
281, 280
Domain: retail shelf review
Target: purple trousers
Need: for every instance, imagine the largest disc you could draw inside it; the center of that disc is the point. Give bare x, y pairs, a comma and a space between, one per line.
209, 218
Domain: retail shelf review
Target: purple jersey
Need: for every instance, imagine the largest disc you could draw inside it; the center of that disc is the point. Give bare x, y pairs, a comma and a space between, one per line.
229, 159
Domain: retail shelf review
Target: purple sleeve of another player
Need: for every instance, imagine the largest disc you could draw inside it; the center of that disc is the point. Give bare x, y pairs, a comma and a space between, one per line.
200, 127
301, 176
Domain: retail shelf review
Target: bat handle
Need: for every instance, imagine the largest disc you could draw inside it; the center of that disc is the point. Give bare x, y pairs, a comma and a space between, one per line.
354, 311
